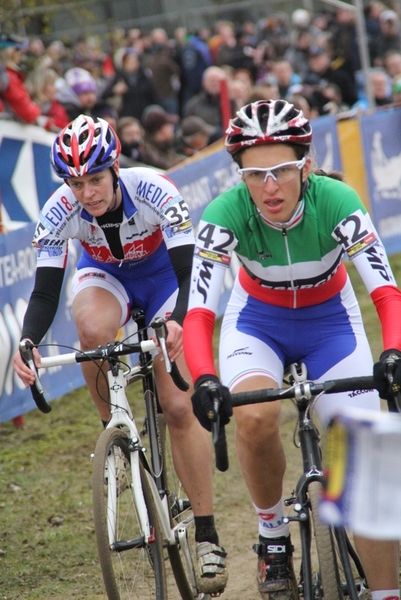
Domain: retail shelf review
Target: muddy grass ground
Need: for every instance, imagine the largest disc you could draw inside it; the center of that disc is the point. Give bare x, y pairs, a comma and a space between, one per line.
47, 540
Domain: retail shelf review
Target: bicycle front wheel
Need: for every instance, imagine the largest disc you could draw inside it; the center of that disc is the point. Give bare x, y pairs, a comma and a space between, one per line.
132, 566
340, 571
328, 577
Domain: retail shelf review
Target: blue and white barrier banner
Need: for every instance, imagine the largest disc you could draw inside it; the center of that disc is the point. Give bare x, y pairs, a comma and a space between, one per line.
381, 138
17, 271
26, 178
326, 144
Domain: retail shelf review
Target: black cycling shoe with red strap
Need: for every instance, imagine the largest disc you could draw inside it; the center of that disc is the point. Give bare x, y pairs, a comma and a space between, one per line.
275, 572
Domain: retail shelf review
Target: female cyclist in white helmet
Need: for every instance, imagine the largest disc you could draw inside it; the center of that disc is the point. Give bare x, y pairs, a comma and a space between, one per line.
292, 301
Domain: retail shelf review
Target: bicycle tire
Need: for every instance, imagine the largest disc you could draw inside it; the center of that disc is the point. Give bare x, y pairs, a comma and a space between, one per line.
334, 562
351, 575
180, 511
136, 573
328, 573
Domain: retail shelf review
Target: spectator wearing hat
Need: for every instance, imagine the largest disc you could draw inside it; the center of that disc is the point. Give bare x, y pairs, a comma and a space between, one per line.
77, 92
159, 150
132, 85
194, 135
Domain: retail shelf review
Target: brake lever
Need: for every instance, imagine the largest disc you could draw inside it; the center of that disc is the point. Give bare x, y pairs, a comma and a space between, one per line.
393, 388
218, 432
161, 331
38, 394
216, 409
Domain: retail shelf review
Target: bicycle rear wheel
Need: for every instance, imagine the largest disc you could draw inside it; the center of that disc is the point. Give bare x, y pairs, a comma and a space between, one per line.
132, 567
182, 519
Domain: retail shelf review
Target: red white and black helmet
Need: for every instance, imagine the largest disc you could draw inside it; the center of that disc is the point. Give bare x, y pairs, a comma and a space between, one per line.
85, 145
267, 122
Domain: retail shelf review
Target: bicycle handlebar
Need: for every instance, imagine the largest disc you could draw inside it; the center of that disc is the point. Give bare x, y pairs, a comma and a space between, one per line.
111, 350
306, 390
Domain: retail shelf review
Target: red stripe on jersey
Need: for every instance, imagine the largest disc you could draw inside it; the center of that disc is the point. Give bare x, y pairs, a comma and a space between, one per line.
294, 298
137, 250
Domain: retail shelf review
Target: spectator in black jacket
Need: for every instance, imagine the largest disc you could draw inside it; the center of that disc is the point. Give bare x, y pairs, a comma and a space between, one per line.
132, 84
321, 72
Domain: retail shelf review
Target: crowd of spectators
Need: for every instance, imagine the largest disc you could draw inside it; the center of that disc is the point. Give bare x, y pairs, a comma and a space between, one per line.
164, 94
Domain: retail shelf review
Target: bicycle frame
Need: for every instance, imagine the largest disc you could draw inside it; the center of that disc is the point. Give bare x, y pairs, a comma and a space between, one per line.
122, 417
305, 394
173, 521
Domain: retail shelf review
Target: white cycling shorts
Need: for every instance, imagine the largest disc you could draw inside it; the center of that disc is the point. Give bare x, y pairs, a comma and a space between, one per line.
258, 339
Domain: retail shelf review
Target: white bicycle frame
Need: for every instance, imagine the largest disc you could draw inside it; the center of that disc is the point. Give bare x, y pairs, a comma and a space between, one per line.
122, 417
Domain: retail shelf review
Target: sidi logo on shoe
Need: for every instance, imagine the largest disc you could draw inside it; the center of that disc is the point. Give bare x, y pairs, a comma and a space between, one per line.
276, 548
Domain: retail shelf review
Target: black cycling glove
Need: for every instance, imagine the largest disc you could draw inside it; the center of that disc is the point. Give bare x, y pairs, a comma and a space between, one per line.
206, 388
387, 374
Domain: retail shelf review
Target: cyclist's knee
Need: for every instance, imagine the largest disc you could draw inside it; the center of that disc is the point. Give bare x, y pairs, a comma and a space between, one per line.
178, 410
92, 333
257, 422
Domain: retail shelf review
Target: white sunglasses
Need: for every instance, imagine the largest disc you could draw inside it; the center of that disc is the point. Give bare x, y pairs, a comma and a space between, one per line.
282, 173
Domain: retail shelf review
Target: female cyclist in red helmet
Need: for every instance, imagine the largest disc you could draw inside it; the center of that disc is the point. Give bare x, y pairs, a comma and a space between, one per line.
137, 244
292, 301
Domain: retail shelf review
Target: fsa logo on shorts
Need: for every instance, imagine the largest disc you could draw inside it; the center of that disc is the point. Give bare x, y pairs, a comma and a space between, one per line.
94, 274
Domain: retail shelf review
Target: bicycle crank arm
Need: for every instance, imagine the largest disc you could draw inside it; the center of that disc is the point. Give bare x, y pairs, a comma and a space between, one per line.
120, 546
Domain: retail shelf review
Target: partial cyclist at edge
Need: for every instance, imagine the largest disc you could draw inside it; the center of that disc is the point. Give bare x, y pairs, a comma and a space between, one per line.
290, 226
137, 246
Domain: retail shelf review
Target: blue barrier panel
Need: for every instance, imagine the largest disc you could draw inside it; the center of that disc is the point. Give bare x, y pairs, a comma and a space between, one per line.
381, 139
326, 143
17, 270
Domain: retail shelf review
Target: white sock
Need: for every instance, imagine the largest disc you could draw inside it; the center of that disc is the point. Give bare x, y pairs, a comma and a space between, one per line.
386, 594
271, 521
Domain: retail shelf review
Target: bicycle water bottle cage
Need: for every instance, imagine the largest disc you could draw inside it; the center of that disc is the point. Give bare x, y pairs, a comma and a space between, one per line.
297, 372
